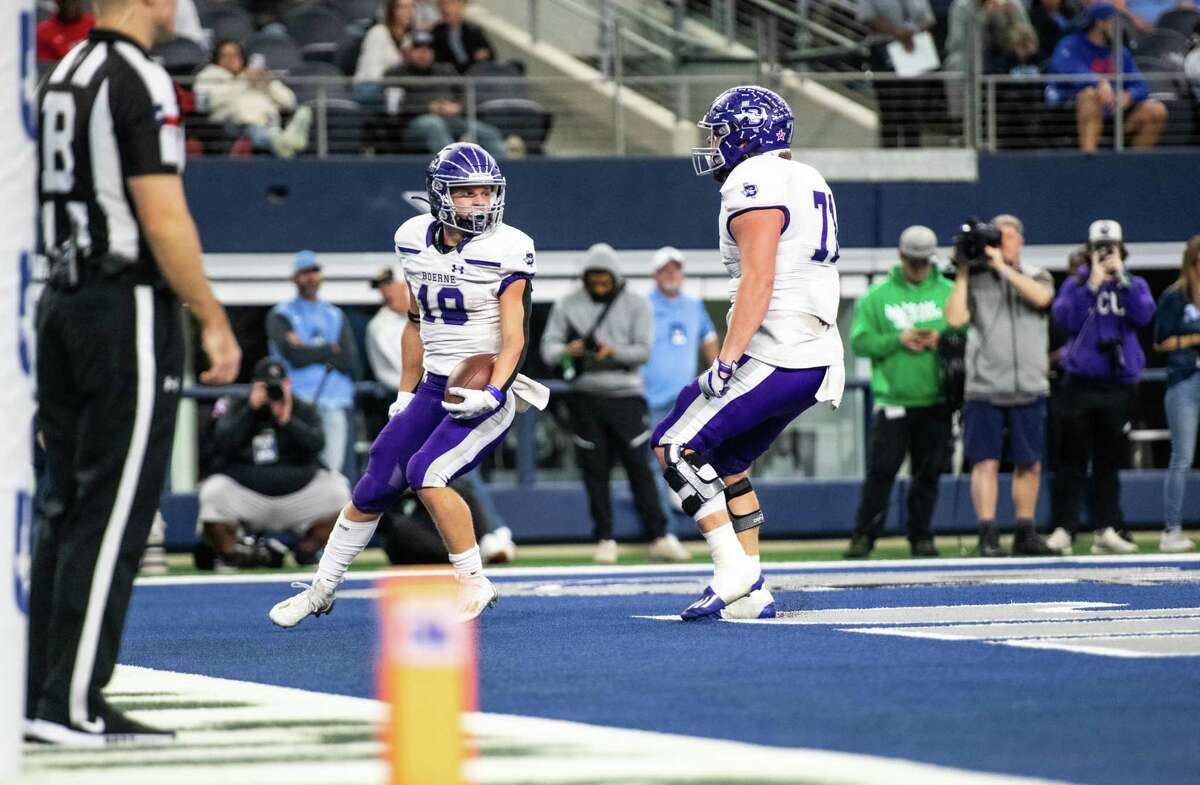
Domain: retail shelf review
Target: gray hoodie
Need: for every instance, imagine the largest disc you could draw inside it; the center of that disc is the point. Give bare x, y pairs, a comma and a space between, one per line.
628, 329
1007, 359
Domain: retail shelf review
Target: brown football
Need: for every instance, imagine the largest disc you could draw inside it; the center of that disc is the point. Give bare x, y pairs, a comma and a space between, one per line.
473, 373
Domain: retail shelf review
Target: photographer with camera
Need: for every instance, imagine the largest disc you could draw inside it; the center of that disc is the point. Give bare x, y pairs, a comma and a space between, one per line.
600, 335
1005, 303
266, 452
1101, 307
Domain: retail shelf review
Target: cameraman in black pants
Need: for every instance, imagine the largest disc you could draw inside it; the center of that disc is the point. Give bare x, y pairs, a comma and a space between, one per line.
1005, 303
1100, 306
602, 331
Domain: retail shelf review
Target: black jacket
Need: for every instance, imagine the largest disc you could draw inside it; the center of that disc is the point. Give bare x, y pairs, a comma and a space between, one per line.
258, 453
473, 38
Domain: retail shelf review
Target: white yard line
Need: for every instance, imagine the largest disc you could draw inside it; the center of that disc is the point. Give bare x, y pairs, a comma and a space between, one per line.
283, 736
1115, 563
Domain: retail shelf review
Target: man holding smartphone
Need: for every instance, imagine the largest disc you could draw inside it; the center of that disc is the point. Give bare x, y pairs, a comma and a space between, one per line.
1101, 307
898, 324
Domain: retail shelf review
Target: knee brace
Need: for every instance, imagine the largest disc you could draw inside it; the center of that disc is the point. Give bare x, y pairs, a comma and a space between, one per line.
694, 481
751, 520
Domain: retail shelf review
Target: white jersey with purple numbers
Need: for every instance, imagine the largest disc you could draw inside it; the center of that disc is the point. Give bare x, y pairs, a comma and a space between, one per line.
800, 328
458, 292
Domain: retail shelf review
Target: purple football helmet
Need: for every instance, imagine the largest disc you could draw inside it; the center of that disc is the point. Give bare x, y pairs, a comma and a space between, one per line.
459, 164
742, 122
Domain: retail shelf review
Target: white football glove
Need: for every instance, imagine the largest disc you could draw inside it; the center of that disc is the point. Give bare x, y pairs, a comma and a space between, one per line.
714, 382
474, 403
403, 399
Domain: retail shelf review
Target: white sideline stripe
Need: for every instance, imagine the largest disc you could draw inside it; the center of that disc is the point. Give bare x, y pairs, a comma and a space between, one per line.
572, 751
771, 568
114, 530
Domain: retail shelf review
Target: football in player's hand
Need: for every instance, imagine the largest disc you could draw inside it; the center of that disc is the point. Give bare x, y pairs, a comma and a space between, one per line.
473, 373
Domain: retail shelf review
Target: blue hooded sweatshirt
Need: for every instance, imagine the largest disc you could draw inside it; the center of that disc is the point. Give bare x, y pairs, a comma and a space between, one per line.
1075, 54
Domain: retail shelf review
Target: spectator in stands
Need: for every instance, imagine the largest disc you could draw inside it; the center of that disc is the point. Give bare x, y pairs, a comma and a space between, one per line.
269, 478
1177, 334
904, 104
458, 42
996, 18
603, 332
1191, 64
898, 325
1051, 20
1145, 13
68, 26
1018, 56
1101, 307
314, 341
436, 104
1005, 302
382, 47
1096, 99
249, 102
683, 332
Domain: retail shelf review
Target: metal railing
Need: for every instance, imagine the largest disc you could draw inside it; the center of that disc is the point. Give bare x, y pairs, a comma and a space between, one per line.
655, 115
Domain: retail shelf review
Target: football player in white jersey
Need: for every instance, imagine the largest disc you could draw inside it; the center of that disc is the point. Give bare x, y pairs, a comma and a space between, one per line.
782, 351
470, 275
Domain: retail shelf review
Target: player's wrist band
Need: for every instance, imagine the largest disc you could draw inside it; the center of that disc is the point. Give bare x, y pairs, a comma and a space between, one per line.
496, 392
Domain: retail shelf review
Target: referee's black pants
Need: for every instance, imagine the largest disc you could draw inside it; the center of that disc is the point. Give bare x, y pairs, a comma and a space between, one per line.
108, 375
605, 428
921, 432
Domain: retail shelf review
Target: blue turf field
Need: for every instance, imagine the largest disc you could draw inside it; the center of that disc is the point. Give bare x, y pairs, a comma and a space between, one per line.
967, 704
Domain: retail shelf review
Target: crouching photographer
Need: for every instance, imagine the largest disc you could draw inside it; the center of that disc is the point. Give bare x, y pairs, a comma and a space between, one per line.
1007, 372
268, 478
1100, 307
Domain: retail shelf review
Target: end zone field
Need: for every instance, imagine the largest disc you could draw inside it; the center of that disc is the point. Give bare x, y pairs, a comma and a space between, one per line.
1078, 669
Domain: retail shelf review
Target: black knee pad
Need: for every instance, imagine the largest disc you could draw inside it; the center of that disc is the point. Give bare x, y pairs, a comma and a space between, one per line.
751, 520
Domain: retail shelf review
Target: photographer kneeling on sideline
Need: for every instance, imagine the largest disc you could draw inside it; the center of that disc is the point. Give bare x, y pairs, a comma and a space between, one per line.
1101, 307
266, 452
1005, 304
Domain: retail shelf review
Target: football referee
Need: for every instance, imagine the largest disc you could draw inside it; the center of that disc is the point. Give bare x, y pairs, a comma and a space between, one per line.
122, 248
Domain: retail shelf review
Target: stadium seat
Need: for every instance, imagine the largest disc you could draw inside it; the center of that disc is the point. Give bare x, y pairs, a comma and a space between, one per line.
499, 81
336, 87
1180, 20
348, 50
527, 119
230, 22
344, 121
1161, 43
315, 24
364, 12
281, 52
180, 56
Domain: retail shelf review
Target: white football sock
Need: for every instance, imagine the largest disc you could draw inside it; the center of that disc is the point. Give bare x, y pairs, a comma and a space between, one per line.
732, 568
468, 564
346, 541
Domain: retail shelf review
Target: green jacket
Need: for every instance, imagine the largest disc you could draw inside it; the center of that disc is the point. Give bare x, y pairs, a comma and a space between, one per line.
899, 376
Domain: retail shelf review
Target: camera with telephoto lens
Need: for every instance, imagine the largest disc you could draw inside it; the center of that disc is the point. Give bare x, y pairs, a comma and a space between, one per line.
1115, 353
971, 244
275, 390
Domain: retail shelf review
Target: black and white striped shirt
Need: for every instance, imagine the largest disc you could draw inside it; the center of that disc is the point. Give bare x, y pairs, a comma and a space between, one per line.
108, 112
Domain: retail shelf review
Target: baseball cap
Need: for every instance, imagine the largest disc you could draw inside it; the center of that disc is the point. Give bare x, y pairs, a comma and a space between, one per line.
665, 255
385, 275
268, 369
1105, 230
1099, 12
304, 261
919, 244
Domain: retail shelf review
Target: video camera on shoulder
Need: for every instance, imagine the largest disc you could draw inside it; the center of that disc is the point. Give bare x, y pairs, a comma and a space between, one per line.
971, 244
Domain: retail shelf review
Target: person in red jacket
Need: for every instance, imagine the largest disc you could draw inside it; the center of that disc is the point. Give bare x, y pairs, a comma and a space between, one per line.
56, 35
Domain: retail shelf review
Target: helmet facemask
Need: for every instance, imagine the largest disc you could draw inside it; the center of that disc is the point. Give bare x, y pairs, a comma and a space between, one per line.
475, 219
